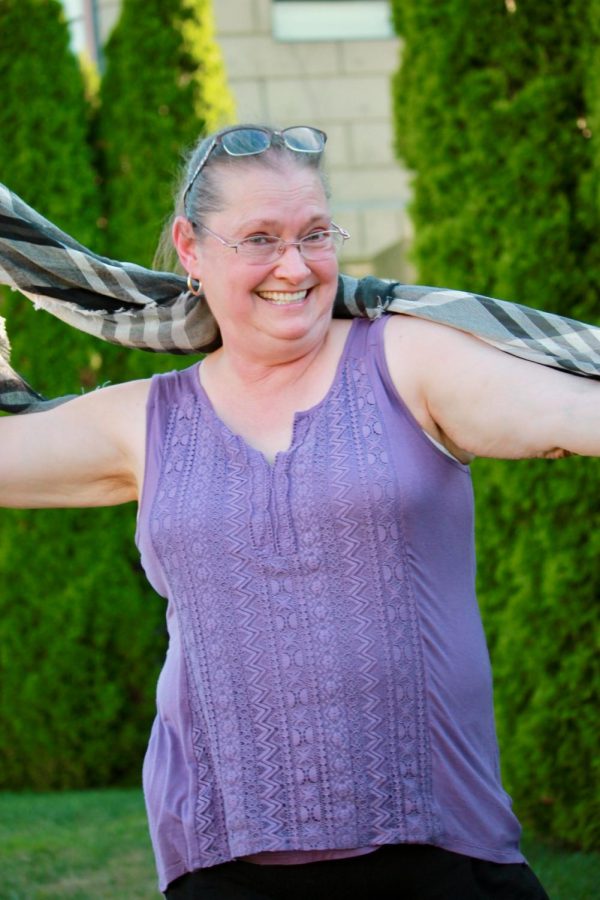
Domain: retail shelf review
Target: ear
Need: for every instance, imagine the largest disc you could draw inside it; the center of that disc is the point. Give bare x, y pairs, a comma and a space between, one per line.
186, 244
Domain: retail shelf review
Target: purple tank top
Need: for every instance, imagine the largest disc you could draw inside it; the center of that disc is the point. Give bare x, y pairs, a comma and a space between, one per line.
327, 683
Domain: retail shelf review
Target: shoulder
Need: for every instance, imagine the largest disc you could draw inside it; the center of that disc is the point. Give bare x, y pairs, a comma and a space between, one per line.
420, 353
407, 329
412, 346
115, 402
115, 414
429, 349
130, 398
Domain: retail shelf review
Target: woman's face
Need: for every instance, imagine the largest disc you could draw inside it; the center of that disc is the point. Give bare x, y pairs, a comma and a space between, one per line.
290, 299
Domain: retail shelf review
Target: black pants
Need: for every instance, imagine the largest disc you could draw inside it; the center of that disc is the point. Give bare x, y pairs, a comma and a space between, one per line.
399, 872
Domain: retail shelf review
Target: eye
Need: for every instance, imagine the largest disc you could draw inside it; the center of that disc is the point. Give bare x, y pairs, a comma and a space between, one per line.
317, 237
260, 240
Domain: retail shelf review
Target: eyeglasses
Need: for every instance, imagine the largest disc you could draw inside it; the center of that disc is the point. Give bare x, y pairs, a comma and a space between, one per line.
242, 140
261, 249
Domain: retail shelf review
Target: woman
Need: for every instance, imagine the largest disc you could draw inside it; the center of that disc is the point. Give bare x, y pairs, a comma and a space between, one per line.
325, 722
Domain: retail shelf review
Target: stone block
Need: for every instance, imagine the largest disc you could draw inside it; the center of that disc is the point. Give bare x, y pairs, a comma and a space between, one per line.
370, 57
351, 220
382, 229
387, 186
234, 17
359, 268
252, 55
337, 150
334, 99
249, 99
372, 143
262, 15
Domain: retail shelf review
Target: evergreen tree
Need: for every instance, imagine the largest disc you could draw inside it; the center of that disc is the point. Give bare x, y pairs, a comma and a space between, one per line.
59, 656
163, 88
44, 155
491, 114
81, 634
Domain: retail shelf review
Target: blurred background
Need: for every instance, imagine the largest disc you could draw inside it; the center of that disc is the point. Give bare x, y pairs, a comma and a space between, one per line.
463, 152
324, 63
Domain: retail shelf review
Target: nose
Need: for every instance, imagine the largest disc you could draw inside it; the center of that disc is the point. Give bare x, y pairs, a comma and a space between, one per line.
291, 265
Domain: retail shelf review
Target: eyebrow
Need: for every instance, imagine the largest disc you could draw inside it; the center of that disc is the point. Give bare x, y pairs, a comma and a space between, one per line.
275, 223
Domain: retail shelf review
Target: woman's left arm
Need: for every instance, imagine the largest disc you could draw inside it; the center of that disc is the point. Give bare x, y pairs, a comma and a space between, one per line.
484, 402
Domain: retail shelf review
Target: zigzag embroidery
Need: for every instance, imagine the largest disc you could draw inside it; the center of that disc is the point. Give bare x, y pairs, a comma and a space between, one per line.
303, 663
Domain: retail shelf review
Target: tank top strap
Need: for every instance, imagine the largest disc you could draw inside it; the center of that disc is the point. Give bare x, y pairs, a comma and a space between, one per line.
166, 396
365, 335
375, 334
167, 391
366, 342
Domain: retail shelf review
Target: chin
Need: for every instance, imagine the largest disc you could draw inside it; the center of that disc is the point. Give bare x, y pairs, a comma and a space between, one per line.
303, 324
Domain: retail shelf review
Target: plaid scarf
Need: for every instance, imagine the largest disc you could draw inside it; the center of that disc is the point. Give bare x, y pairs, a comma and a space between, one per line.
132, 306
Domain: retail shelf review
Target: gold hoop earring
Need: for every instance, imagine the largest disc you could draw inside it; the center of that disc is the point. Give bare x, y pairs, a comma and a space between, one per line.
190, 286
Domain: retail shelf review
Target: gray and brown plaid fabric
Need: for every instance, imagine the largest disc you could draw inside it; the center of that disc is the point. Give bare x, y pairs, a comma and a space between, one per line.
136, 307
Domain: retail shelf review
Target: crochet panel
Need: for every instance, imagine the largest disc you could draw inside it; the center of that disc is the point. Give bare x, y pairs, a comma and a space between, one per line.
300, 631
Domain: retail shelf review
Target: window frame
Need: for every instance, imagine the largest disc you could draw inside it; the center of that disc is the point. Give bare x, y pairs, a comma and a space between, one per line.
293, 21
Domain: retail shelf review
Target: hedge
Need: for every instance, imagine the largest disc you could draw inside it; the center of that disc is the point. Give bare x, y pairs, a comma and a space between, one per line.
163, 87
82, 635
492, 103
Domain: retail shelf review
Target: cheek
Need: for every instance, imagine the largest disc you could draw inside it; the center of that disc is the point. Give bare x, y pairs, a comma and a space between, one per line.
327, 271
227, 288
215, 274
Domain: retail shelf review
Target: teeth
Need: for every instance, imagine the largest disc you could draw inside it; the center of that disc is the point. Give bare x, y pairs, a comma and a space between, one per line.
283, 297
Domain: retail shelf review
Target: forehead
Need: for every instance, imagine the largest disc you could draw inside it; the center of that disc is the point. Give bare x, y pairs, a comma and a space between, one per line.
279, 196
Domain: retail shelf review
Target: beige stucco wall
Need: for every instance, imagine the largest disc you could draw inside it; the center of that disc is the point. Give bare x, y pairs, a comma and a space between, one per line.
342, 87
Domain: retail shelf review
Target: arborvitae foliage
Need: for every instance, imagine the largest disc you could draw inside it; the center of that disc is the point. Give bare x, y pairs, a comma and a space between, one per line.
81, 632
44, 155
491, 114
46, 159
163, 88
64, 611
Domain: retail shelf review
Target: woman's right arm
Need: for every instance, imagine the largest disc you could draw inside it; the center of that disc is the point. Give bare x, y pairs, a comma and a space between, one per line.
86, 452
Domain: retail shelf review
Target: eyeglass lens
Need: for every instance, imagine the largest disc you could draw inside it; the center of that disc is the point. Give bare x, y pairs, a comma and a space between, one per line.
246, 141
272, 248
304, 139
249, 141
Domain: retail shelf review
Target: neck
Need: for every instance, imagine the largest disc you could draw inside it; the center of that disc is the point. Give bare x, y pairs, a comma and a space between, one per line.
258, 360
254, 371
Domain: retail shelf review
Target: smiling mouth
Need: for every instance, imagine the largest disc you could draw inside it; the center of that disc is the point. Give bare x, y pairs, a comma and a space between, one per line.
283, 298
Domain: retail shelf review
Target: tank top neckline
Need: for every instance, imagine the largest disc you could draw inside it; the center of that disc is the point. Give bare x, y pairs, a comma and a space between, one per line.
301, 419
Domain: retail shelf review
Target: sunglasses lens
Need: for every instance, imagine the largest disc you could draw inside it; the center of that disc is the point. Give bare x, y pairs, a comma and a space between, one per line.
246, 141
304, 139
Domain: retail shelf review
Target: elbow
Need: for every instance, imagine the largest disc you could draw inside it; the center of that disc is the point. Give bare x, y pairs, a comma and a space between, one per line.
555, 453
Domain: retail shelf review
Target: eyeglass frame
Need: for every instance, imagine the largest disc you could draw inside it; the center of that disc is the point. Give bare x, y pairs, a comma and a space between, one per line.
281, 246
272, 133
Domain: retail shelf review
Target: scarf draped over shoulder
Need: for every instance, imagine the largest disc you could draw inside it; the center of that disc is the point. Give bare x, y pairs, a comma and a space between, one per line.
136, 307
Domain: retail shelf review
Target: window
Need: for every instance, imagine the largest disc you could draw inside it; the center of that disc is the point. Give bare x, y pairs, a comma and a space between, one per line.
76, 20
331, 20
90, 23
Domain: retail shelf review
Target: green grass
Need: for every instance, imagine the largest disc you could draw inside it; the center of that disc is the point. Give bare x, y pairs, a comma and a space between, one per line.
94, 845
77, 845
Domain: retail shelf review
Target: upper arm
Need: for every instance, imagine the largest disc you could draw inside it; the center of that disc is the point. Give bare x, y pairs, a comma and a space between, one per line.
489, 403
86, 452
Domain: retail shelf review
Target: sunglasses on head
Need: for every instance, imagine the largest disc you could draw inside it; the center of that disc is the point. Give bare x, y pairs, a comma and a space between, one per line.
242, 140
